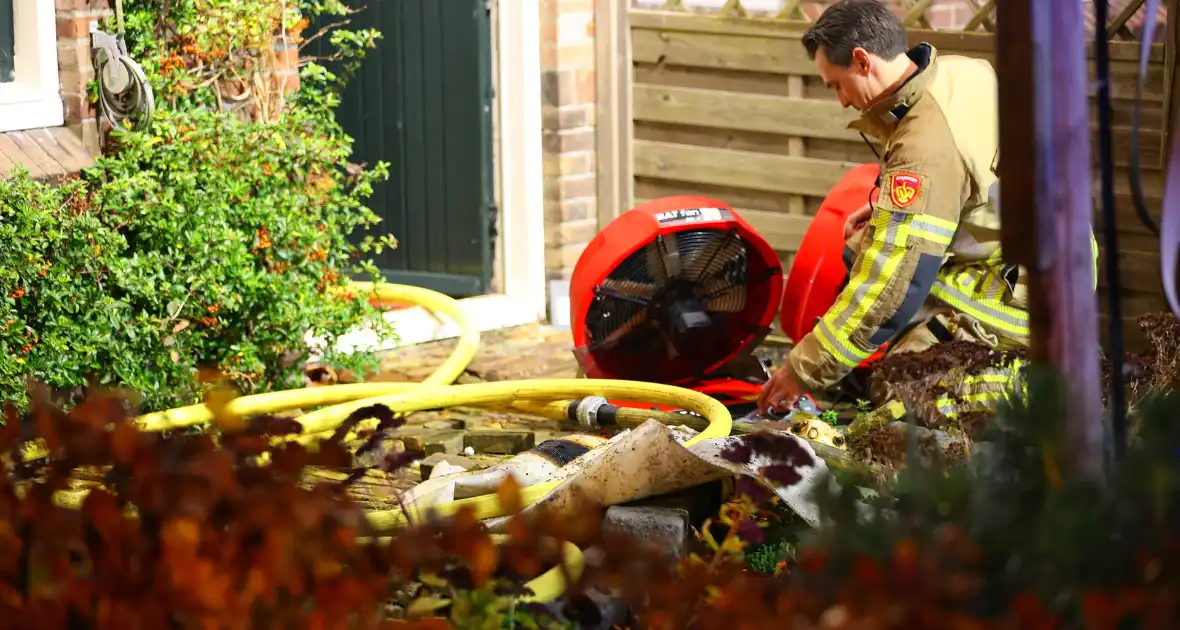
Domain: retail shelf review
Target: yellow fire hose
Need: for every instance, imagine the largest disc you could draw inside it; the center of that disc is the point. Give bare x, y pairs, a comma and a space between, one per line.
543, 397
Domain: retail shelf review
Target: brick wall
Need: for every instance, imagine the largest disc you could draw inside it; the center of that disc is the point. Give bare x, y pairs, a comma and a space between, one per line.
74, 18
568, 96
73, 59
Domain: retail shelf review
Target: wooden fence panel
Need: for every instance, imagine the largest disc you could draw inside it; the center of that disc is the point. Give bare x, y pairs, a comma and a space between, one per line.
730, 106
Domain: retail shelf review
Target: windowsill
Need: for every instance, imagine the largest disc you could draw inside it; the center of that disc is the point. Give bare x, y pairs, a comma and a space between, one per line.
22, 108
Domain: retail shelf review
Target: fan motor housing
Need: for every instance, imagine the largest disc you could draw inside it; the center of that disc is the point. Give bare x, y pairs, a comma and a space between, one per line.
708, 283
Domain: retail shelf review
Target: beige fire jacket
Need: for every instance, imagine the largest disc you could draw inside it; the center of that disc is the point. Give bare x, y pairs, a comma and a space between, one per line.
932, 234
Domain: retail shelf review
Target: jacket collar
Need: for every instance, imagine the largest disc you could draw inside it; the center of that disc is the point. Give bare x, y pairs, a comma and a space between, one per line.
882, 118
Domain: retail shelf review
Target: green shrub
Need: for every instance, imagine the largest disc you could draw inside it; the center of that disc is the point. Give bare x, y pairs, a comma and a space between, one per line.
207, 242
211, 240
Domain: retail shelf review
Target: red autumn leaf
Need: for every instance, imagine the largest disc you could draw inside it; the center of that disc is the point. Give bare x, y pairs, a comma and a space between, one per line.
508, 494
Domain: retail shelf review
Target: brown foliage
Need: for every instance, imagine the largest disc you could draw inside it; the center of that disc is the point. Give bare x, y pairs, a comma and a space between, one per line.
223, 530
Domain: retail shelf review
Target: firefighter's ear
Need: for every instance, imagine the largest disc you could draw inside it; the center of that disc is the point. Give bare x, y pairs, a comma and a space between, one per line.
862, 62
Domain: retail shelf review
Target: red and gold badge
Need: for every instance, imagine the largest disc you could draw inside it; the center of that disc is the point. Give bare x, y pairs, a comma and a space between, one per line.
904, 188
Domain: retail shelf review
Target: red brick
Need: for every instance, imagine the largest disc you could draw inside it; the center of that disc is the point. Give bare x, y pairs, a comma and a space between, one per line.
77, 106
286, 57
75, 81
568, 117
573, 28
564, 257
286, 80
74, 54
569, 210
548, 57
548, 30
572, 232
74, 27
569, 164
567, 141
568, 87
573, 56
82, 5
578, 186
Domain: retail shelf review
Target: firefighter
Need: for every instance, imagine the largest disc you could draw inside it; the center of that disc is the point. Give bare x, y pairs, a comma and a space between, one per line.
927, 266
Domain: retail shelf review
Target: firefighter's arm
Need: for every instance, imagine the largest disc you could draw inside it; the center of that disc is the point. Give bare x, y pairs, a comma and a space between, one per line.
911, 226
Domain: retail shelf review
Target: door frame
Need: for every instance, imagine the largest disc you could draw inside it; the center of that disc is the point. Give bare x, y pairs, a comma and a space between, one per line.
520, 242
518, 293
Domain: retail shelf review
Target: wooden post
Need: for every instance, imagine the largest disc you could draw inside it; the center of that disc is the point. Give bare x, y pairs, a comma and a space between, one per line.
1047, 204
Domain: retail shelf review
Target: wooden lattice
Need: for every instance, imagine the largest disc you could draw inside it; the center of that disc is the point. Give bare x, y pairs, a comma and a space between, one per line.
948, 15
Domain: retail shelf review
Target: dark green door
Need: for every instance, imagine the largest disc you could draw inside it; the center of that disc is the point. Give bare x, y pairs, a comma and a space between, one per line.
422, 101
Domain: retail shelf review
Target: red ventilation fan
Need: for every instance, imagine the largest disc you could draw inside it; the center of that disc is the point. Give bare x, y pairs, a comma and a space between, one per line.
673, 291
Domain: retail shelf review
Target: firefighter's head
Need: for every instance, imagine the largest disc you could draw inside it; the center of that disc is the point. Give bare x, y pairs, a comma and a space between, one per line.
859, 49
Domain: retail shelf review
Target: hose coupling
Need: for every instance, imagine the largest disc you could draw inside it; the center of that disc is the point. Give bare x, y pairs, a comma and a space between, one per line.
587, 411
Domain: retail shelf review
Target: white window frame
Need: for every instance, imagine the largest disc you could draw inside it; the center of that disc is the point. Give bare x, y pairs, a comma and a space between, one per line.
33, 98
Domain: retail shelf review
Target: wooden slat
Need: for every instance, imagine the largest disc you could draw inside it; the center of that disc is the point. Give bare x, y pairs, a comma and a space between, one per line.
1133, 338
672, 21
808, 118
731, 52
741, 169
776, 56
812, 118
1138, 271
1134, 303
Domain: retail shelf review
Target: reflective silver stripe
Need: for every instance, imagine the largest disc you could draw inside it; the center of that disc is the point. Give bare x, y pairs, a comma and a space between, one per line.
944, 234
1012, 321
835, 345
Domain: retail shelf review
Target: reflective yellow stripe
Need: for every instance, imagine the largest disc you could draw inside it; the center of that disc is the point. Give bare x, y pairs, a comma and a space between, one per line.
890, 233
886, 247
973, 399
982, 401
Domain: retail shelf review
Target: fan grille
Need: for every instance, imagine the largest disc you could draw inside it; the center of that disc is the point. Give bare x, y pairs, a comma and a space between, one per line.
676, 307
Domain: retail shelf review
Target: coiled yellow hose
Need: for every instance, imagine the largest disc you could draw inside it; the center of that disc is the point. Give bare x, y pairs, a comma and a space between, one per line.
336, 402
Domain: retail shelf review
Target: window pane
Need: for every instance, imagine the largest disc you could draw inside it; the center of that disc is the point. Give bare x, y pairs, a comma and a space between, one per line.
6, 41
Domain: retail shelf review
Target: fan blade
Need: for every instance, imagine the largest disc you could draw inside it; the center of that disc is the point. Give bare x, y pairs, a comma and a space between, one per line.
721, 295
623, 328
663, 258
627, 290
712, 257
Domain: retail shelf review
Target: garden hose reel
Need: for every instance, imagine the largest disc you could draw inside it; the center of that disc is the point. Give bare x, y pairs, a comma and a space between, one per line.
125, 98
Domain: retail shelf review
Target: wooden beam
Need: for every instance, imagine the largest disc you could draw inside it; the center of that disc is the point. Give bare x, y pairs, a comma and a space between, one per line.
739, 169
613, 131
1046, 173
1118, 26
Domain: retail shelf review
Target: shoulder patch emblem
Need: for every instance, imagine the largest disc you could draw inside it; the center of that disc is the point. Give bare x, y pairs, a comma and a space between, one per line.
904, 188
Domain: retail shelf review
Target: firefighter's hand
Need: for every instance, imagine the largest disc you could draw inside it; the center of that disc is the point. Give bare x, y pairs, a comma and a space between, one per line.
781, 392
854, 220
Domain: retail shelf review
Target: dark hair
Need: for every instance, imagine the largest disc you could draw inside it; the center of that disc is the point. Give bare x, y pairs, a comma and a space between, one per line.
851, 24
